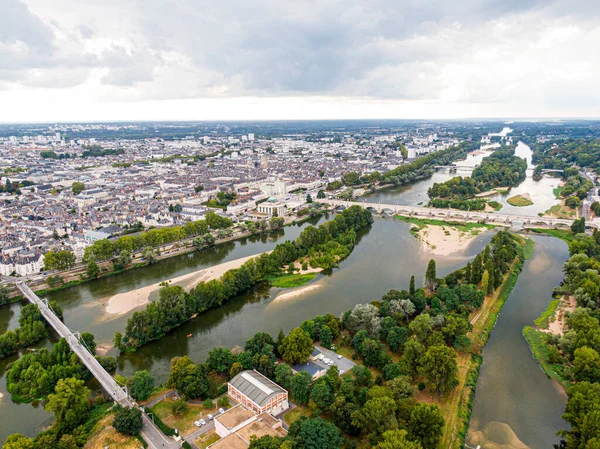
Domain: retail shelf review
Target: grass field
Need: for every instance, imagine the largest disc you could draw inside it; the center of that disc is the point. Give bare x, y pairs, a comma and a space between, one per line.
465, 227
495, 205
184, 423
557, 191
542, 322
296, 413
519, 200
563, 234
291, 280
104, 435
207, 439
560, 211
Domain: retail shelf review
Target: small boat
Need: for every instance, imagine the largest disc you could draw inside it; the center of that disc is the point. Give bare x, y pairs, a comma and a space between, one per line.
188, 335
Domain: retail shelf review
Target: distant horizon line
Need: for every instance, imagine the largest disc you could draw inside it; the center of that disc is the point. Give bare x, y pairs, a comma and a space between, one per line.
455, 119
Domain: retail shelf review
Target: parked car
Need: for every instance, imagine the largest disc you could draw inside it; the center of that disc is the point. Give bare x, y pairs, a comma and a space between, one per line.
210, 417
339, 356
202, 422
221, 410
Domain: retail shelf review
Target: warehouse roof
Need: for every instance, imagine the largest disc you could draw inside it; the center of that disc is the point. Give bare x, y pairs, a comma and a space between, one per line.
256, 387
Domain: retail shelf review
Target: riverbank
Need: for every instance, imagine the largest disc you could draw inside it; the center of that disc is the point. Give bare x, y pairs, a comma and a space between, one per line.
446, 240
77, 275
552, 321
125, 302
458, 408
443, 238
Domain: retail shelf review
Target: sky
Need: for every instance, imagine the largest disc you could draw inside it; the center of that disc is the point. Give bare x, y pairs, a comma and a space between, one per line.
74, 60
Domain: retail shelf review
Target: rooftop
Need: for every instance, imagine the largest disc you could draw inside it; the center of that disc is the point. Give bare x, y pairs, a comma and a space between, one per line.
233, 441
256, 387
258, 428
234, 417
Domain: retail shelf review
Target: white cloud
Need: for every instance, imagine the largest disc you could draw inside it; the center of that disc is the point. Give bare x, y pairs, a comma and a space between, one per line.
194, 59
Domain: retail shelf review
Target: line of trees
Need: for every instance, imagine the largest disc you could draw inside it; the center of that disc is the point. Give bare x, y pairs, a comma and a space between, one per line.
106, 249
175, 306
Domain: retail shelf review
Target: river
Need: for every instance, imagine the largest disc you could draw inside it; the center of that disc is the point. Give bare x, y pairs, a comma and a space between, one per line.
385, 257
516, 406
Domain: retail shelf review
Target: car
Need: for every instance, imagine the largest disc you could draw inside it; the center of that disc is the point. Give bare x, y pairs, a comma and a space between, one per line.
210, 417
221, 411
342, 372
197, 424
339, 356
202, 422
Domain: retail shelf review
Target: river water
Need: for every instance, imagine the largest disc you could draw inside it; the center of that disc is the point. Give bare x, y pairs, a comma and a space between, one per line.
385, 257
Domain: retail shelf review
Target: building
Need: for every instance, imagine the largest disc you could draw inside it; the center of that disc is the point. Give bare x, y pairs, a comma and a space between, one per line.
311, 368
258, 393
237, 425
101, 234
272, 208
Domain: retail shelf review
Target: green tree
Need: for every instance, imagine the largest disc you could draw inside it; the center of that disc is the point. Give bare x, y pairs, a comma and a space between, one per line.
18, 441
283, 374
59, 260
314, 433
426, 425
411, 289
397, 439
93, 270
67, 442
376, 416
142, 385
440, 370
586, 365
300, 385
296, 347
128, 421
180, 407
322, 395
431, 276
69, 404
77, 187
220, 360
235, 369
320, 195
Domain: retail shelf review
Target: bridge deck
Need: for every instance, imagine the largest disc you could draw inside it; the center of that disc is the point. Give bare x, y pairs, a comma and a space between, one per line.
150, 432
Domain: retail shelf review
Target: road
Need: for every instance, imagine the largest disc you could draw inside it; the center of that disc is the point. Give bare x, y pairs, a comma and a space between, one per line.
458, 215
151, 434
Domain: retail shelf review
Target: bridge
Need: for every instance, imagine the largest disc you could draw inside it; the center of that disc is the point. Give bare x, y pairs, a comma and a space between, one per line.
457, 215
151, 434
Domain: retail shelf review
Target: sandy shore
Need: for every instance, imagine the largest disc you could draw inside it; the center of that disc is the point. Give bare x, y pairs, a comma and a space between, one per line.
295, 293
446, 240
557, 323
125, 302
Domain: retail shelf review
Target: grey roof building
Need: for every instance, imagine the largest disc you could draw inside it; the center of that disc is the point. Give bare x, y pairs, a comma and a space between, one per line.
258, 393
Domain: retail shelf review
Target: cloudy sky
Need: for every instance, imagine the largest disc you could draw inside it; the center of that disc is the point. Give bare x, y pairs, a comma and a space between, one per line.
63, 60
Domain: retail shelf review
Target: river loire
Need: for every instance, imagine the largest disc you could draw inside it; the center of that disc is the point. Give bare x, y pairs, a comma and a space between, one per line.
385, 257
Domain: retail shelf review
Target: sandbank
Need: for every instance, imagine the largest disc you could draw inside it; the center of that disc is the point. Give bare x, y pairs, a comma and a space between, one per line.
124, 302
295, 293
557, 324
446, 240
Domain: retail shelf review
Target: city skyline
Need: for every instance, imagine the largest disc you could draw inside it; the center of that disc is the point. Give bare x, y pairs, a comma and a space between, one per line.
65, 61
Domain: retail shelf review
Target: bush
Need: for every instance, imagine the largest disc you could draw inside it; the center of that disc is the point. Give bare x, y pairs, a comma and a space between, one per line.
128, 421
208, 404
179, 407
223, 402
421, 386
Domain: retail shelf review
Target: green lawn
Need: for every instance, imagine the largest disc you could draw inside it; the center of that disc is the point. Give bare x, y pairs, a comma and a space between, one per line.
293, 415
291, 280
519, 200
557, 191
184, 423
465, 227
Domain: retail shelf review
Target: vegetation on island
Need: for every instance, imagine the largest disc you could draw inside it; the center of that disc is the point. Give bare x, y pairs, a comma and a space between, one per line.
291, 280
519, 201
32, 329
324, 246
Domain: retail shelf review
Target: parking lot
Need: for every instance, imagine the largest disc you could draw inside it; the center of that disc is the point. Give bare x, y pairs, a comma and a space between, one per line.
343, 364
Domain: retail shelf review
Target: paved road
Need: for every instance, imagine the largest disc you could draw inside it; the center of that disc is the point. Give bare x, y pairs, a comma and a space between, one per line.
152, 434
210, 425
